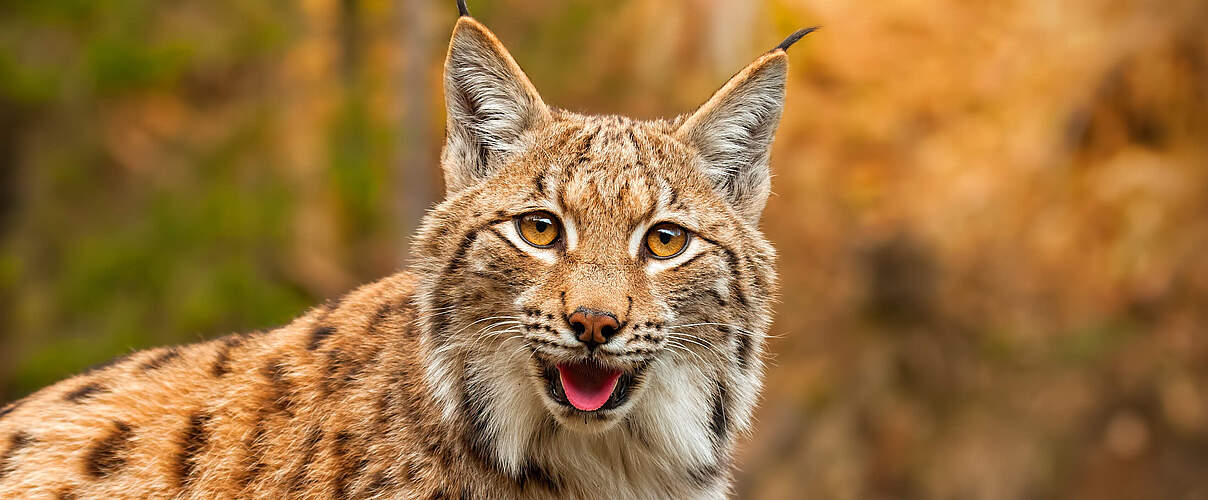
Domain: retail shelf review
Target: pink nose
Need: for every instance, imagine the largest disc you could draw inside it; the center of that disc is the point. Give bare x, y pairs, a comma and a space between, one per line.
593, 327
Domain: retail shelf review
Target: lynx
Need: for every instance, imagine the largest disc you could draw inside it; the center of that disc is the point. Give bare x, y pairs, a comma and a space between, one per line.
584, 317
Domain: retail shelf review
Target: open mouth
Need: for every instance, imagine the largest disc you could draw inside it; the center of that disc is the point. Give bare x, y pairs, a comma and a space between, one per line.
588, 386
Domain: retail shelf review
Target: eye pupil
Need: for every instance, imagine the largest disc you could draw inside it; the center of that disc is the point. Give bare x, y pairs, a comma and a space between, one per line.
666, 240
539, 229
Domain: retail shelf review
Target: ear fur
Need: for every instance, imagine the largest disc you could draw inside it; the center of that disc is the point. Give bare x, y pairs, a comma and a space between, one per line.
732, 132
490, 104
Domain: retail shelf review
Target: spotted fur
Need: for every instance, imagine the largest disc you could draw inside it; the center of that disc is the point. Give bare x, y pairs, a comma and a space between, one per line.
434, 382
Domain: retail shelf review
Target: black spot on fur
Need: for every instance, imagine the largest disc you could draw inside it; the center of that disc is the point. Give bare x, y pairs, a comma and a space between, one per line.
255, 452
222, 363
11, 407
66, 494
109, 454
192, 442
281, 395
16, 442
318, 334
340, 448
83, 393
160, 360
297, 482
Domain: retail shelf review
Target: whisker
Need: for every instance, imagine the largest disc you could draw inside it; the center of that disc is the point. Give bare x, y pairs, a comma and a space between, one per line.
682, 337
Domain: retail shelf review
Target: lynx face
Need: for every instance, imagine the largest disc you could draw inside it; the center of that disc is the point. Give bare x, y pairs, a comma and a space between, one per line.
588, 271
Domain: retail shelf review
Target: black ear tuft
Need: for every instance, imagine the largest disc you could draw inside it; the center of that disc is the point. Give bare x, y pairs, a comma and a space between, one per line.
799, 34
462, 10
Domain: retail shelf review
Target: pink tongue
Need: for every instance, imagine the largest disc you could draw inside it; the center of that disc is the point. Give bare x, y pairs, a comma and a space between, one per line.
587, 387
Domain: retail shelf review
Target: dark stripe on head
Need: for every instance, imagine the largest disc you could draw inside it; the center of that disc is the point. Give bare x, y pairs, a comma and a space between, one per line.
16, 442
192, 441
109, 454
539, 183
83, 393
318, 334
160, 360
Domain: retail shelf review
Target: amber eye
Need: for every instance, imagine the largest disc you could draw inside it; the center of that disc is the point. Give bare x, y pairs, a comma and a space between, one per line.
539, 229
666, 240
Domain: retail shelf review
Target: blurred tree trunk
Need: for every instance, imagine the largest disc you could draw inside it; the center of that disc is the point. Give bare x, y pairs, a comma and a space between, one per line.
415, 164
730, 26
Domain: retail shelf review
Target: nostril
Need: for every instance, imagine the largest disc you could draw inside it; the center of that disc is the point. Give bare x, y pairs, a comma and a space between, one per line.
578, 327
607, 331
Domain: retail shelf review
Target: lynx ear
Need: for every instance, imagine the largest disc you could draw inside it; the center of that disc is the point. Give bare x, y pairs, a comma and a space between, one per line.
733, 130
490, 105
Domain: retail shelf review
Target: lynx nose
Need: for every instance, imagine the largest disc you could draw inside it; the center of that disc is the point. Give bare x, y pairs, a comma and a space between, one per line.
593, 327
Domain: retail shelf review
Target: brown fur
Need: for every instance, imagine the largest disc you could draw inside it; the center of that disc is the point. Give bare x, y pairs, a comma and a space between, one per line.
429, 383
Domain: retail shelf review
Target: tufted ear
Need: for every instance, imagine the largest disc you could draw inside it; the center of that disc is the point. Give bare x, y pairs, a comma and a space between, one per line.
733, 130
490, 106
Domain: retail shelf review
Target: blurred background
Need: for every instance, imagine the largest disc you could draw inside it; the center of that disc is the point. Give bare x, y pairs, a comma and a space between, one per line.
992, 216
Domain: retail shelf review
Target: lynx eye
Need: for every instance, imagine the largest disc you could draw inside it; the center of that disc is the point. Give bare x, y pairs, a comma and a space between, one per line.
539, 229
666, 240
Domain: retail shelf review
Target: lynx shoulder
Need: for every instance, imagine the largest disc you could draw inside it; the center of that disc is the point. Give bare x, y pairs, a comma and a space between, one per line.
585, 317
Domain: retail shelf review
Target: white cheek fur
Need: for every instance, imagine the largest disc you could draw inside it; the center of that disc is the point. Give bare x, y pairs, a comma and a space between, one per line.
572, 236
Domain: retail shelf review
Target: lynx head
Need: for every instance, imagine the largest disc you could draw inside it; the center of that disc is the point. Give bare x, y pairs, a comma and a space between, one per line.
590, 271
